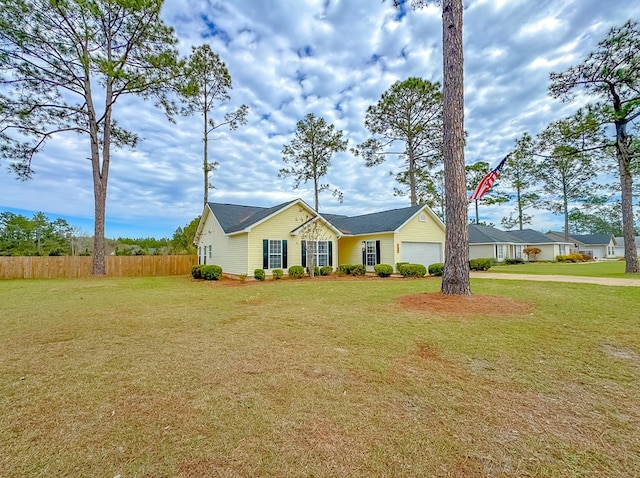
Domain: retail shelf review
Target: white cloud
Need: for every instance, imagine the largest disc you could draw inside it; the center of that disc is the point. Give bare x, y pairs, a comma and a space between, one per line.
333, 58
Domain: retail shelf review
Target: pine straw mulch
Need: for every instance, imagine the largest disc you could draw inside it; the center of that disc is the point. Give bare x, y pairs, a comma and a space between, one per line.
463, 305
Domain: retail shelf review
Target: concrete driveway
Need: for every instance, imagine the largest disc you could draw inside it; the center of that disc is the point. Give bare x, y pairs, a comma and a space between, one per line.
635, 282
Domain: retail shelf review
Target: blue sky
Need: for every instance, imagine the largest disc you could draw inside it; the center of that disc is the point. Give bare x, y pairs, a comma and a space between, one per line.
332, 58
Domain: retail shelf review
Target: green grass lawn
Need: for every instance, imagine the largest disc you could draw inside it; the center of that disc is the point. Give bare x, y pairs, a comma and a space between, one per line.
588, 269
170, 377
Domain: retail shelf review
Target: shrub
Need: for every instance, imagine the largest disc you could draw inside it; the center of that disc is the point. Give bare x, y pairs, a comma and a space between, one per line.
480, 264
211, 272
316, 271
344, 269
383, 270
575, 257
436, 269
413, 270
326, 270
277, 273
296, 272
418, 270
358, 270
196, 272
532, 252
258, 274
399, 265
513, 260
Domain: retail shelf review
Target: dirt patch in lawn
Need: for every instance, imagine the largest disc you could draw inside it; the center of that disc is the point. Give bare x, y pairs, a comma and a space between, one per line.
461, 305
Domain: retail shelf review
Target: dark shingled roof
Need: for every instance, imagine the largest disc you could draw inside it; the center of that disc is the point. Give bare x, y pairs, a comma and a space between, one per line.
593, 239
385, 221
587, 239
234, 218
620, 241
531, 236
557, 236
480, 234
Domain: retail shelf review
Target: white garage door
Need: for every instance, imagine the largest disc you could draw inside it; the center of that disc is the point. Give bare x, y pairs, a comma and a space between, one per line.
424, 253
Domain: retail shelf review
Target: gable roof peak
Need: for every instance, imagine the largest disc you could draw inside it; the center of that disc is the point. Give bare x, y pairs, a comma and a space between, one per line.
237, 217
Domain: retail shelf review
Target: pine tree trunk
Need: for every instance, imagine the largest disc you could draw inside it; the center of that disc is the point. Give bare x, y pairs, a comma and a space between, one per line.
626, 184
520, 211
99, 243
99, 204
412, 176
100, 170
316, 193
565, 207
205, 158
455, 279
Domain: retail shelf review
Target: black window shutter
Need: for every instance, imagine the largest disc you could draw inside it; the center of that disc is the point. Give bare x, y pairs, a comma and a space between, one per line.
304, 253
265, 253
284, 254
331, 253
377, 252
364, 252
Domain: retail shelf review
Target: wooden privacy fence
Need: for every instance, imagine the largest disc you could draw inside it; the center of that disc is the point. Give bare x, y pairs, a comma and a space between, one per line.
51, 267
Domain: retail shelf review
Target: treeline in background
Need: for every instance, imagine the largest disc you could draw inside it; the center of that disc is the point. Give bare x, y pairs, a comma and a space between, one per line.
41, 236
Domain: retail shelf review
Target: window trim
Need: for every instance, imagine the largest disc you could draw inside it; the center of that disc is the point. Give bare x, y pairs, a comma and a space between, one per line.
267, 254
275, 254
327, 253
517, 251
367, 253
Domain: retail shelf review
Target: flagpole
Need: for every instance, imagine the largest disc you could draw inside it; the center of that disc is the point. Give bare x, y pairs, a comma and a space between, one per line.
477, 219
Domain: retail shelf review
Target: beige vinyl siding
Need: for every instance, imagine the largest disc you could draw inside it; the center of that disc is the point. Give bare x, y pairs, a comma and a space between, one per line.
228, 252
478, 251
549, 251
610, 250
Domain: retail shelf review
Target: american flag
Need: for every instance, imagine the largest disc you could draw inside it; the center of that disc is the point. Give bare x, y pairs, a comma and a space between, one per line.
486, 183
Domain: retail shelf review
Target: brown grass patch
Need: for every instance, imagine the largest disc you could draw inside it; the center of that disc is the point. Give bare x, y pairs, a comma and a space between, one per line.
461, 305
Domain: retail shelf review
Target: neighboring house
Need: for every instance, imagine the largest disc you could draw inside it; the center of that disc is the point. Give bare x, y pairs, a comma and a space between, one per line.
241, 239
489, 242
597, 246
619, 247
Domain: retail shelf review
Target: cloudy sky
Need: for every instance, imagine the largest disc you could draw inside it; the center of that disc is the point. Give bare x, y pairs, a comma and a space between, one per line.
332, 58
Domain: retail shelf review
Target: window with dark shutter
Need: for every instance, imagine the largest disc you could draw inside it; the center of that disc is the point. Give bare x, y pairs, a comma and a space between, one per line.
304, 253
284, 254
370, 253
